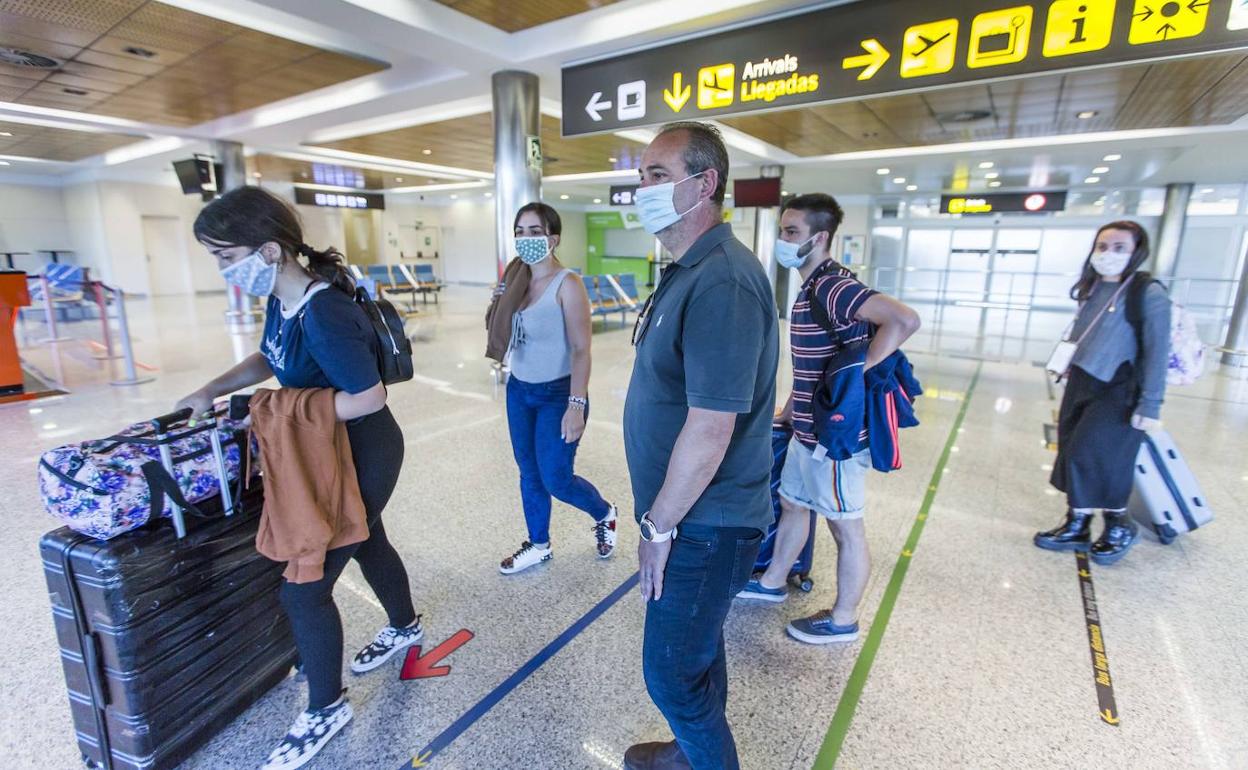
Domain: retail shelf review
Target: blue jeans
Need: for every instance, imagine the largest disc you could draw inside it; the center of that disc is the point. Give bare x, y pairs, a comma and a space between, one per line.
535, 418
683, 658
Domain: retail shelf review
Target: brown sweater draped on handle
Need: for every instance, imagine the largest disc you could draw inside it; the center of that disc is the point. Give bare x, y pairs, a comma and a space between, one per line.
503, 306
312, 500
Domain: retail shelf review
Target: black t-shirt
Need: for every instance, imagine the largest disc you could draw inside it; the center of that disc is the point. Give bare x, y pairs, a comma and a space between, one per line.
326, 342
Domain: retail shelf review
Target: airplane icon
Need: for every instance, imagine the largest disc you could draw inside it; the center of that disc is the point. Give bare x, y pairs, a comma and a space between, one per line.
929, 44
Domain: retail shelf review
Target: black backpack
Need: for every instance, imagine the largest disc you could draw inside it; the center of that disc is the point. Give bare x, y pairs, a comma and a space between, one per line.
394, 349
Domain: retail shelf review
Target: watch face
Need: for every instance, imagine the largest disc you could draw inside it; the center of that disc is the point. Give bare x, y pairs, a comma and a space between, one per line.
647, 530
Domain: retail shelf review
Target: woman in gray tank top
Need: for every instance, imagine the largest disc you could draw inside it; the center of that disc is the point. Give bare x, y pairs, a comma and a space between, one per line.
547, 393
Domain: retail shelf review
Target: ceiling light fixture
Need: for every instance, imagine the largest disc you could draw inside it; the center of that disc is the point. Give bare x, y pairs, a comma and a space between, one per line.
426, 151
1101, 170
1112, 158
899, 180
994, 184
75, 91
987, 164
5, 133
489, 195
784, 193
398, 179
142, 53
1087, 114
727, 195
1092, 180
454, 196
992, 175
563, 197
912, 187
256, 174
613, 160
4, 163
883, 171
597, 200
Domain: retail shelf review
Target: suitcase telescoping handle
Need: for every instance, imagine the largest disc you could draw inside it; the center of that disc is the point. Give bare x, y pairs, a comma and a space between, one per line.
162, 426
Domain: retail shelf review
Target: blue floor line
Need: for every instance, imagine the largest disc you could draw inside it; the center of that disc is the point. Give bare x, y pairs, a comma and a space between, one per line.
483, 706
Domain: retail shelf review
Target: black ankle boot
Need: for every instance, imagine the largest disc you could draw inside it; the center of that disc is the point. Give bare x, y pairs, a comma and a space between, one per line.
1119, 535
1071, 535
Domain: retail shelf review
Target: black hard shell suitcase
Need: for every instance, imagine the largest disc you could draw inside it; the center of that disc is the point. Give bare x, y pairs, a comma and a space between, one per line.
799, 576
165, 640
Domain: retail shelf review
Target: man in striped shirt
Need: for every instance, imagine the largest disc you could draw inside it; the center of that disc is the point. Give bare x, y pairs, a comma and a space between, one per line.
836, 490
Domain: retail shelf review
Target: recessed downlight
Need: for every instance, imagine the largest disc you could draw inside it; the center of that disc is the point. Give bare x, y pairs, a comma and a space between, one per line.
597, 200
994, 184
992, 175
1101, 170
899, 180
883, 171
911, 187
564, 197
1112, 157
426, 151
1086, 114
987, 164
5, 133
1092, 180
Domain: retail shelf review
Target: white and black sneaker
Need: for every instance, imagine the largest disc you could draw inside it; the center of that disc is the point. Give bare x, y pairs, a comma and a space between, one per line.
529, 555
604, 533
309, 734
388, 641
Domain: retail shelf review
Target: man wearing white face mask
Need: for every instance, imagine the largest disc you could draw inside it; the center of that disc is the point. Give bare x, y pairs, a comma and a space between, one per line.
697, 433
833, 310
1116, 385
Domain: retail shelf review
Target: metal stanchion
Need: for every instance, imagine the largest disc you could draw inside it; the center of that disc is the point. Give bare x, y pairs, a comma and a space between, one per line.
109, 354
51, 313
132, 376
242, 314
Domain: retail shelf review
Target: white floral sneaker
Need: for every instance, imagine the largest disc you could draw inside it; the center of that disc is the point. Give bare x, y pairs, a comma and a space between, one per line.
309, 734
529, 555
388, 641
605, 534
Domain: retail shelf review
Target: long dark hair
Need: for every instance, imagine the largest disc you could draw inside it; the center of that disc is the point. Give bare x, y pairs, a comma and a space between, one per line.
1083, 288
252, 217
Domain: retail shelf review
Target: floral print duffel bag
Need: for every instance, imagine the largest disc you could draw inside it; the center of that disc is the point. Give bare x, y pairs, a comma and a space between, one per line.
103, 488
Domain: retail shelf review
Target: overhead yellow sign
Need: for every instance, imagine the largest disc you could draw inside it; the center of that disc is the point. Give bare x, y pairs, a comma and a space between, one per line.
1156, 21
1000, 37
929, 49
1078, 26
716, 85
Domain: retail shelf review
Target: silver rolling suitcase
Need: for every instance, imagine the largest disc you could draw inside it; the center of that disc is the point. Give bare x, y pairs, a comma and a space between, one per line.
1166, 493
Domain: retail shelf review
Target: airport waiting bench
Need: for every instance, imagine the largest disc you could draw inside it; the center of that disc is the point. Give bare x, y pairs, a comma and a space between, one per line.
611, 294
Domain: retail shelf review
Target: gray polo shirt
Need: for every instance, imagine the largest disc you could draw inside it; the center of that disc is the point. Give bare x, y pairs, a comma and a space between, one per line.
708, 339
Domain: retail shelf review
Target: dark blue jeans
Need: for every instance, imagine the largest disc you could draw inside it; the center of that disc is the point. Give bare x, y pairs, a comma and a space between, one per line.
683, 658
535, 417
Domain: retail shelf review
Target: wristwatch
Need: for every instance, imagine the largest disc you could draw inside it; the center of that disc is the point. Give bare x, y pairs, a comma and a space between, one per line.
651, 533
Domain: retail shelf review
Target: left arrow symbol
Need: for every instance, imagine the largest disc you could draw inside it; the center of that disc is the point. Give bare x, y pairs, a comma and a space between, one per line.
596, 106
417, 667
875, 58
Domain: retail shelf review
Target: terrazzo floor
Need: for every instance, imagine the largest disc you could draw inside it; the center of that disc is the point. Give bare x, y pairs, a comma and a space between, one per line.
984, 662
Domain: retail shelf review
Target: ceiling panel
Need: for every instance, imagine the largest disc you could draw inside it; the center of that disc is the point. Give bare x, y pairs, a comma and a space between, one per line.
1209, 90
512, 16
57, 143
468, 142
147, 61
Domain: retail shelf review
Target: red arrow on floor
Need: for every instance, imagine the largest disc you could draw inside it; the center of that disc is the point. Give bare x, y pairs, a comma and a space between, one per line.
417, 667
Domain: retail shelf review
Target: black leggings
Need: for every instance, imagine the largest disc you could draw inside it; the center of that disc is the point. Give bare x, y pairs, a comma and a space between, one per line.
377, 447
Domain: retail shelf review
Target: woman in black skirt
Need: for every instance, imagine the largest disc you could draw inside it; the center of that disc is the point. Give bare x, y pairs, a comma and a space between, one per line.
1117, 381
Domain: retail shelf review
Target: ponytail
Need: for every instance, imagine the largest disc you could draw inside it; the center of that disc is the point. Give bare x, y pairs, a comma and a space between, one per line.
328, 266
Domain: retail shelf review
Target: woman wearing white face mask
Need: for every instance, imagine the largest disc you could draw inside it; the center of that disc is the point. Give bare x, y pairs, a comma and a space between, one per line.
546, 309
315, 336
1116, 385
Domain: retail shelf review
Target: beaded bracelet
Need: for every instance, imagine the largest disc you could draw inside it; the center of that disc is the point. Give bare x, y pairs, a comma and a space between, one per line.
576, 402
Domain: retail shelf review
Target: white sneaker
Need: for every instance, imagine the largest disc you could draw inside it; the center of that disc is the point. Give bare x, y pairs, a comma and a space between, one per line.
528, 556
309, 734
388, 641
604, 532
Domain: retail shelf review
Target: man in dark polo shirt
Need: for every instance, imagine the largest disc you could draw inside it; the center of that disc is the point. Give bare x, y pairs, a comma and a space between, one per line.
697, 433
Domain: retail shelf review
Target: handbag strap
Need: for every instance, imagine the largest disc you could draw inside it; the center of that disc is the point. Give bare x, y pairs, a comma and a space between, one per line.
1113, 301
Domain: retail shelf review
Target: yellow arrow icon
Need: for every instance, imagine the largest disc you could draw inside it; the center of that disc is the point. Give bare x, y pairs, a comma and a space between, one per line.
677, 97
875, 58
1084, 573
1109, 717
420, 761
907, 553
